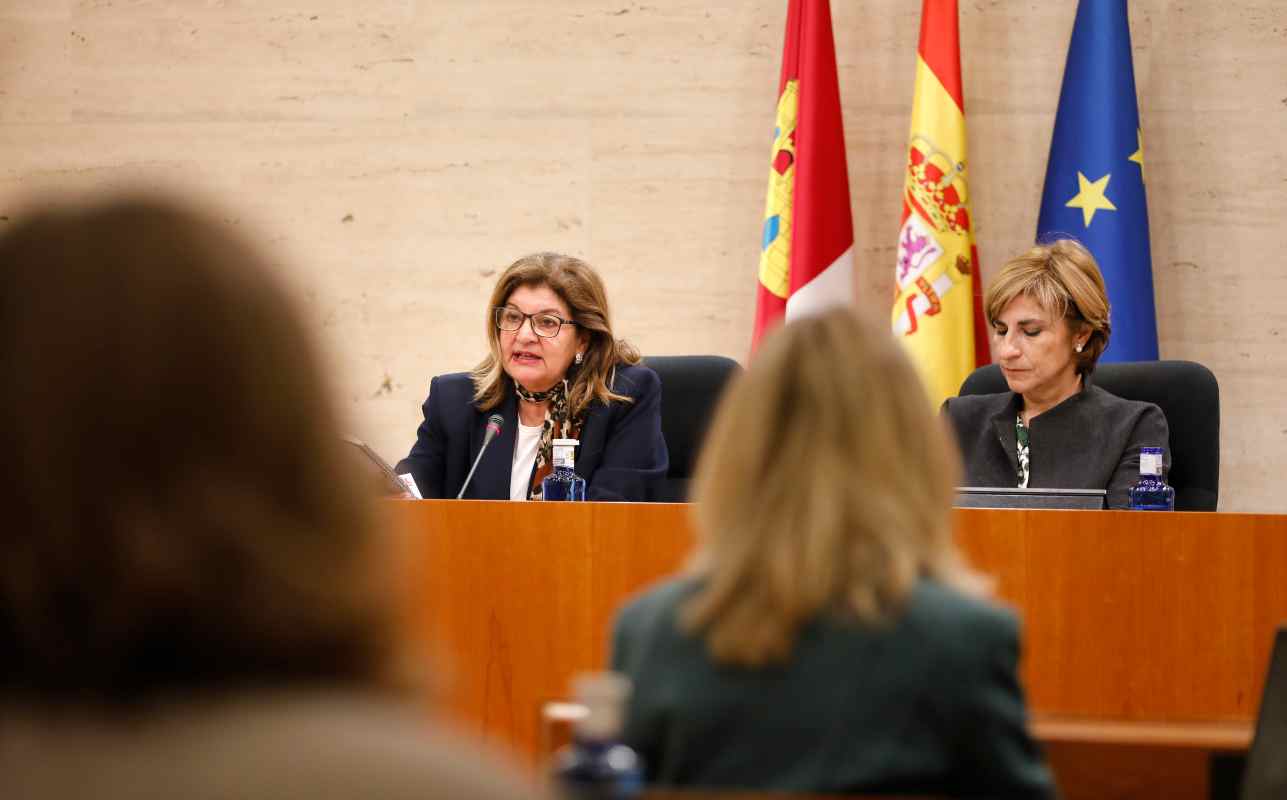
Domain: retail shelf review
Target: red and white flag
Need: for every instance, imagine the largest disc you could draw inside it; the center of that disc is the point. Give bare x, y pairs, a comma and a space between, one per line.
806, 256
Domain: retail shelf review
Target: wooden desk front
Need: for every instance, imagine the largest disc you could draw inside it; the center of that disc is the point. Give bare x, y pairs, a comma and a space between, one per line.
1129, 618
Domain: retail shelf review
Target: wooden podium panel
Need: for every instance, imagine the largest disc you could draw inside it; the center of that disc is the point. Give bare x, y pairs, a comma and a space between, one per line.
1133, 622
521, 595
1138, 616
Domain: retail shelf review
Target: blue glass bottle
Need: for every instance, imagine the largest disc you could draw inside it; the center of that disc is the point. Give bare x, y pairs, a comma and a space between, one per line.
563, 483
1151, 492
597, 766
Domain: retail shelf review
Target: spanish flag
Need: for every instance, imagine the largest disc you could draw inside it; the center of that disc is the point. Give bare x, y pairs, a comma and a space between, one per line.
806, 255
938, 310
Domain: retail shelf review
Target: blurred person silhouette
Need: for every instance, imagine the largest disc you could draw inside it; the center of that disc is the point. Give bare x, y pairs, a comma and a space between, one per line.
827, 636
194, 599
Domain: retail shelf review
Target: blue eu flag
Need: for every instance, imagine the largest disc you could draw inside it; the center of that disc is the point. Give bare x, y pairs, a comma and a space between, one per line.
1095, 177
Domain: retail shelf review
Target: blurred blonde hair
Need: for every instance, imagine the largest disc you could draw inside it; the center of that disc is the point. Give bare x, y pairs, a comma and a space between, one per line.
578, 285
825, 486
1063, 278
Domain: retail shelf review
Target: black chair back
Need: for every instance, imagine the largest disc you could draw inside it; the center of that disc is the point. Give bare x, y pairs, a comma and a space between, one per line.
1188, 395
690, 388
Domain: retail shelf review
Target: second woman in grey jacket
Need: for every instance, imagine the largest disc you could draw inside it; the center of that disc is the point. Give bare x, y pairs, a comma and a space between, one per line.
1054, 429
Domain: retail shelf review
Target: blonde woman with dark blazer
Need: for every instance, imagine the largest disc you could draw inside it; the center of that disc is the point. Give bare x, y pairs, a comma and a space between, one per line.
827, 636
554, 369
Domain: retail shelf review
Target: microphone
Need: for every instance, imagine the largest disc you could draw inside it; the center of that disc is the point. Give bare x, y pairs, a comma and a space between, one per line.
494, 423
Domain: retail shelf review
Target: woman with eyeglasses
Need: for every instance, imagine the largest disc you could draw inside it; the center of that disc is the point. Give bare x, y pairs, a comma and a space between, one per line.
554, 370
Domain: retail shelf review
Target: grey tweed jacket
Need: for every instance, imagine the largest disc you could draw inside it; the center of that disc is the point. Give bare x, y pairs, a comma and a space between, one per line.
1092, 440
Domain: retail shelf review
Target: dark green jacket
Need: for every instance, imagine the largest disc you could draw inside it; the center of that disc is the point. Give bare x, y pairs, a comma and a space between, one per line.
928, 704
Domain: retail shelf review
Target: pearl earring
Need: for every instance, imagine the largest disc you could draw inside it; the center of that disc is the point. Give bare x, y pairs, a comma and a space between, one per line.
1078, 348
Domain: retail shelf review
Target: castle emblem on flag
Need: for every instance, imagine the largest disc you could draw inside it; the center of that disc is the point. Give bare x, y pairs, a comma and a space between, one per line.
775, 248
933, 249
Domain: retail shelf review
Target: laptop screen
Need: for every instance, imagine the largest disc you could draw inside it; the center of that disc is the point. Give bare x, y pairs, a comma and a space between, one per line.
1012, 497
1266, 774
380, 476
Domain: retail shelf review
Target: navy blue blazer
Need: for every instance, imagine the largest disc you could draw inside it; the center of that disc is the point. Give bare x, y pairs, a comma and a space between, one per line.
622, 454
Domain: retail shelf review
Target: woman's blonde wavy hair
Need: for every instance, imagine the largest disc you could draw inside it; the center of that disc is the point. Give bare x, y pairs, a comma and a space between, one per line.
825, 486
581, 288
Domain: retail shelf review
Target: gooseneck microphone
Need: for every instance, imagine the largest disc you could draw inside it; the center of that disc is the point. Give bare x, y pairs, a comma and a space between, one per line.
494, 423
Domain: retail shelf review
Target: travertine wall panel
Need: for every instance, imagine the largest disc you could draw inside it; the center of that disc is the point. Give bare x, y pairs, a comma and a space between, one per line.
394, 156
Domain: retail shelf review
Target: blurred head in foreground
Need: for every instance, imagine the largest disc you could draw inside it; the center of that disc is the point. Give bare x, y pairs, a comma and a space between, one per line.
825, 486
179, 513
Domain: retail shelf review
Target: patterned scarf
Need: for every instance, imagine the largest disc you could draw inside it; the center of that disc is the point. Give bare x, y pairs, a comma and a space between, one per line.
1021, 449
558, 425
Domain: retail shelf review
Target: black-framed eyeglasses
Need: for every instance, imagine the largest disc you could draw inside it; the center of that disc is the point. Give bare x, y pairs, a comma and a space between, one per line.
544, 324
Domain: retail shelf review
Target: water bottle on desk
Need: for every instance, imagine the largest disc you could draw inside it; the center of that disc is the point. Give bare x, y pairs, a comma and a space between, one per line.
597, 766
563, 483
1151, 492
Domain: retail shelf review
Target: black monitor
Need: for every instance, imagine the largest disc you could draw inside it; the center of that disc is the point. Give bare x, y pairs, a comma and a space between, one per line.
1013, 497
1266, 773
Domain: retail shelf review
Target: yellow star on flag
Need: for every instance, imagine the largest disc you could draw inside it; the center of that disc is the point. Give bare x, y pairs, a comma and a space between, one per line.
1090, 197
1138, 155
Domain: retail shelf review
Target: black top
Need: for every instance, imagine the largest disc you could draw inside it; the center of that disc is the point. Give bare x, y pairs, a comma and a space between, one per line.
929, 704
622, 454
1092, 440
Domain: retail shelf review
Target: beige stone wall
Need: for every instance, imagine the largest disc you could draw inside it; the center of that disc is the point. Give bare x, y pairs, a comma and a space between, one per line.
394, 155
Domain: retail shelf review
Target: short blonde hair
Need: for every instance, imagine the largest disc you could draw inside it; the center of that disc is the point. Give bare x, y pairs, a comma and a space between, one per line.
1063, 278
578, 285
826, 485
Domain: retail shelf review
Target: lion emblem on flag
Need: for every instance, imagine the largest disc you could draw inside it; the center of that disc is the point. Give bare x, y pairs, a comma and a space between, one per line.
934, 252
